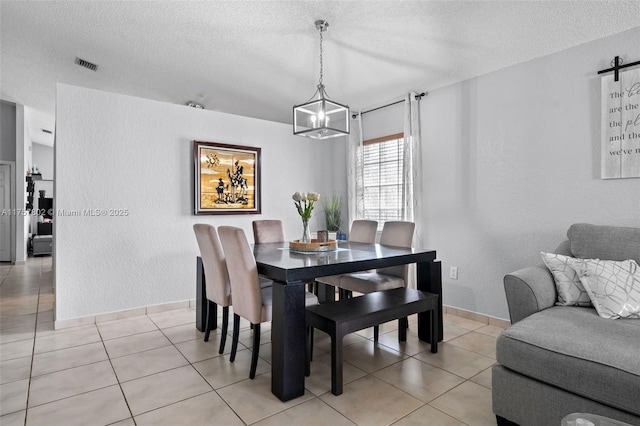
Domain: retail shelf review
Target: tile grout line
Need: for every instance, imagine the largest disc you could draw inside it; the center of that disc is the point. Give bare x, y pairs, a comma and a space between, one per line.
200, 374
116, 376
33, 349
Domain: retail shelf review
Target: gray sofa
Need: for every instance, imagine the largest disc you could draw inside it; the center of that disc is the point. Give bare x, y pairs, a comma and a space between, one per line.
557, 360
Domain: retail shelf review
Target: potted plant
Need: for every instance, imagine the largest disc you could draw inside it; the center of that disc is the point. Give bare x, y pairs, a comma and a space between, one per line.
333, 213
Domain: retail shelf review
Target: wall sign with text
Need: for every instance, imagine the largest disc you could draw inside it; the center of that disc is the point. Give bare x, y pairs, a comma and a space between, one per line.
621, 126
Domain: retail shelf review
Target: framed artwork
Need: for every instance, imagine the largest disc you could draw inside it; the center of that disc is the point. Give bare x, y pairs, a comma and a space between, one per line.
226, 179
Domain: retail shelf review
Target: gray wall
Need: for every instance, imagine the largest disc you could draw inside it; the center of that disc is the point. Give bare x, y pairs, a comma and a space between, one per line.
7, 131
511, 159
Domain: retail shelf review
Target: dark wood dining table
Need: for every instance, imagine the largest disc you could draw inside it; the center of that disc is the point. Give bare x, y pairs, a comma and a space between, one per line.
291, 270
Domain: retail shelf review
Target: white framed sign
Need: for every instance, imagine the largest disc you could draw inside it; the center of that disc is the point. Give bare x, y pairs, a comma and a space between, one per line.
620, 126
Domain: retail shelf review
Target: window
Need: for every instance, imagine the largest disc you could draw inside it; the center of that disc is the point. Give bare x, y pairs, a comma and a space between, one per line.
382, 175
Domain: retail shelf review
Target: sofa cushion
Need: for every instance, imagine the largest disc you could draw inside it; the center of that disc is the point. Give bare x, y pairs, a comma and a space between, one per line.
604, 242
571, 291
576, 350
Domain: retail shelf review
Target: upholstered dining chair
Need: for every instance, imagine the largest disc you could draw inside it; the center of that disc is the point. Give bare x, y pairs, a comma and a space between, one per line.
250, 301
398, 234
267, 231
217, 284
362, 231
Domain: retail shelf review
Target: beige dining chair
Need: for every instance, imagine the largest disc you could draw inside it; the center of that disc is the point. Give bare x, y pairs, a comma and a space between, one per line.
216, 278
398, 234
362, 231
250, 301
268, 231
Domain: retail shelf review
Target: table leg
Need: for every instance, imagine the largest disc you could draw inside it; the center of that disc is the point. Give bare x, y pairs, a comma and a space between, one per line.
429, 277
288, 340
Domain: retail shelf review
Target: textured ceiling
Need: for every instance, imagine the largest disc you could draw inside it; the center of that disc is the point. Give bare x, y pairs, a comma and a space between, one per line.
259, 58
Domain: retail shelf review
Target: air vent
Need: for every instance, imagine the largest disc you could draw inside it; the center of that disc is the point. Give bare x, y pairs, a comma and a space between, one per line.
195, 105
86, 64
49, 132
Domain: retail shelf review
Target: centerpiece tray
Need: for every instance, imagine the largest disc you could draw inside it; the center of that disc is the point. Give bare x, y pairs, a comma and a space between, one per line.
313, 246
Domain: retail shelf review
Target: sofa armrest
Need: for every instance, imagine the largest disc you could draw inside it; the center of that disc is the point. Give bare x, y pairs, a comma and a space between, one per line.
528, 291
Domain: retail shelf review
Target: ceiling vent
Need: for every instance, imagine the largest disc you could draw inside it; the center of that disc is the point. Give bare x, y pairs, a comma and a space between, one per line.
193, 104
86, 64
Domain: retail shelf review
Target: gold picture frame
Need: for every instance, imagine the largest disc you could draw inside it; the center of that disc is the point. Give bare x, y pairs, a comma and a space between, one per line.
226, 179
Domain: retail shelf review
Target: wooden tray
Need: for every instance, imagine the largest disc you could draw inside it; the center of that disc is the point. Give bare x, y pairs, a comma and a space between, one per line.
313, 246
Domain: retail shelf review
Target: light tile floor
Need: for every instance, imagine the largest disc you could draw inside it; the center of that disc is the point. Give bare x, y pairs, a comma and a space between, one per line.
156, 370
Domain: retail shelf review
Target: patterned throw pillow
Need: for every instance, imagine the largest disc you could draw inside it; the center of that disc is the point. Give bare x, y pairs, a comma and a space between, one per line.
571, 292
613, 286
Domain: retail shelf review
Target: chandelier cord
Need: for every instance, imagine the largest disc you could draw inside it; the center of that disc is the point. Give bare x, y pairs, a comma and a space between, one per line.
321, 38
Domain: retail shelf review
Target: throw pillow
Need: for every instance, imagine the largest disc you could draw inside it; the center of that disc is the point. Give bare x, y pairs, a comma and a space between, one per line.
571, 292
613, 286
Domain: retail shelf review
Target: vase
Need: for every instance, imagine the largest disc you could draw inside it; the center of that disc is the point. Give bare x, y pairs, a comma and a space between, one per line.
306, 235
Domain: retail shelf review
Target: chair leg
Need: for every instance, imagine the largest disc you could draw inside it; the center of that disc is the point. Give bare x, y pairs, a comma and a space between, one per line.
376, 332
311, 344
211, 312
225, 328
256, 350
236, 334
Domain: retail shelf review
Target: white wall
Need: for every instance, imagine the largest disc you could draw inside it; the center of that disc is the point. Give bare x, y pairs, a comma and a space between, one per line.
121, 152
511, 159
23, 162
383, 122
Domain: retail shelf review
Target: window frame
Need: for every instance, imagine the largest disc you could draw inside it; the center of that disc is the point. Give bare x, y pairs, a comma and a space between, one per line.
381, 217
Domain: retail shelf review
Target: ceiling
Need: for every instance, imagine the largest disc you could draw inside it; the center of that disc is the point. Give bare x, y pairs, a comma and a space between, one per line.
259, 58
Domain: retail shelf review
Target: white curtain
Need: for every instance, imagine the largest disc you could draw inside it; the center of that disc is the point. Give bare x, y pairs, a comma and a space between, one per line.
412, 173
355, 180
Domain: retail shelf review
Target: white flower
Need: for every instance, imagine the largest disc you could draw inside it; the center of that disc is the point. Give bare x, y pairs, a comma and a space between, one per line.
304, 196
297, 197
313, 196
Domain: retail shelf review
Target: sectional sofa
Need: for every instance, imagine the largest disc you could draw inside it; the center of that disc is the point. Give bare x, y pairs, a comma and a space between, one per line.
555, 360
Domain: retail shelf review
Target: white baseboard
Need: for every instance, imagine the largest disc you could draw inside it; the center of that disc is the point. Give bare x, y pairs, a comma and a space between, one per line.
127, 313
485, 319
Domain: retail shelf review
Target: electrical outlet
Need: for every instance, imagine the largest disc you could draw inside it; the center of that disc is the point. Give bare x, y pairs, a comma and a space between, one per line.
453, 272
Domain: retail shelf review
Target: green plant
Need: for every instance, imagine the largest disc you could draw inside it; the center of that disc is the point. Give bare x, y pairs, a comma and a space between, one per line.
333, 212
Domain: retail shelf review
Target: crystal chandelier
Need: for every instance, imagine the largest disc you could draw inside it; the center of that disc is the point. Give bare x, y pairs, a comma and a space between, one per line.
320, 117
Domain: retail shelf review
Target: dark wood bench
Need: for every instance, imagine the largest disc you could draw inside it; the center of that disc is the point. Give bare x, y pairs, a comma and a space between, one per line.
346, 316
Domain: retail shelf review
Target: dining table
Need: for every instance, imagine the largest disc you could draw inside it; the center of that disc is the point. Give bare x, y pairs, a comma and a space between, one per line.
291, 270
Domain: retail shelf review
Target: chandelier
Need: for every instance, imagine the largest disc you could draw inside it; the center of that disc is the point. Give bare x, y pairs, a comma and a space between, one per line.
320, 117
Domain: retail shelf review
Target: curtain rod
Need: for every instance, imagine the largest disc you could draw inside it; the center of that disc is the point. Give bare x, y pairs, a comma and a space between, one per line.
418, 97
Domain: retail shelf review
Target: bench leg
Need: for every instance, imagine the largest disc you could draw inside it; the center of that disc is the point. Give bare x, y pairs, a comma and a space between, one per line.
336, 364
403, 324
435, 330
